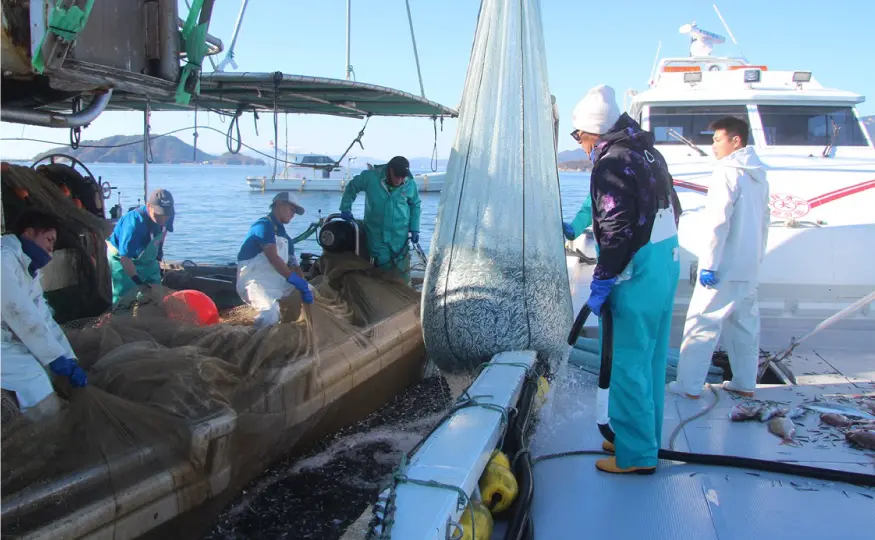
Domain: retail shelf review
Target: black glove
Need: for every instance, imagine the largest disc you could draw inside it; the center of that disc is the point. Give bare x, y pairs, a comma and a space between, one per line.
137, 279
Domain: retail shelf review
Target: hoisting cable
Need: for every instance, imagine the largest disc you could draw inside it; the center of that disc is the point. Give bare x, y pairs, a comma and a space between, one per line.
148, 157
76, 132
779, 467
277, 79
194, 134
434, 156
415, 52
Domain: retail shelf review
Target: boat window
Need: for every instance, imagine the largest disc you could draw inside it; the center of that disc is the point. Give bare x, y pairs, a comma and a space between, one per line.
805, 125
690, 122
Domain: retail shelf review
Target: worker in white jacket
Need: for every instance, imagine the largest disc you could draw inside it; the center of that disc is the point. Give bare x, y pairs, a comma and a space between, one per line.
736, 218
31, 339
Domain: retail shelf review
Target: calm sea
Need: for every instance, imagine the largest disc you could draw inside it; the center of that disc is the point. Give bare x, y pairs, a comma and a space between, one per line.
215, 207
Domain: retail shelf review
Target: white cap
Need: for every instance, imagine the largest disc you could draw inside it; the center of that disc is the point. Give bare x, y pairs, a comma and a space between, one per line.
597, 112
286, 197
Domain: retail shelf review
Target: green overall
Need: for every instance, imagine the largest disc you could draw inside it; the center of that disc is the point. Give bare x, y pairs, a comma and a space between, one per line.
146, 264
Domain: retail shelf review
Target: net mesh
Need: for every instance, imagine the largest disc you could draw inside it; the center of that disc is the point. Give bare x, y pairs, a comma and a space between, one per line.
178, 416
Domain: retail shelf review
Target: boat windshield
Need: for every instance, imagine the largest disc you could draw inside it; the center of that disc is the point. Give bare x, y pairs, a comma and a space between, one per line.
807, 125
690, 122
315, 160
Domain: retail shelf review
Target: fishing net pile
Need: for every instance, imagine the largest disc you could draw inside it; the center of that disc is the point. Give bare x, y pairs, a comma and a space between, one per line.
497, 272
81, 248
178, 416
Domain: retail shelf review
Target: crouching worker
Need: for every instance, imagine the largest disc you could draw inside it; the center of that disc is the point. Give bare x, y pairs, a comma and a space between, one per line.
267, 269
135, 244
32, 341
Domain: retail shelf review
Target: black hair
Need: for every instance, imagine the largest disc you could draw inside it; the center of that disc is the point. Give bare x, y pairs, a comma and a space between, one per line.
38, 221
734, 127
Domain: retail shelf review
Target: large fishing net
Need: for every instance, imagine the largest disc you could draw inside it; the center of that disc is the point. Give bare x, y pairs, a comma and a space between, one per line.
177, 416
497, 277
77, 281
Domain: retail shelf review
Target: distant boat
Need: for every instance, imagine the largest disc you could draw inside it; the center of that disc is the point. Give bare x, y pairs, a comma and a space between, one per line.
317, 172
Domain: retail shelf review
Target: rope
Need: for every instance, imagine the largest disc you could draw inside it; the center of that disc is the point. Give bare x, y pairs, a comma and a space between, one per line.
415, 52
358, 139
76, 132
229, 139
699, 414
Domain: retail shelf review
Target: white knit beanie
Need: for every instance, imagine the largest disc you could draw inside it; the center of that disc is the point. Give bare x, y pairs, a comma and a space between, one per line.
597, 112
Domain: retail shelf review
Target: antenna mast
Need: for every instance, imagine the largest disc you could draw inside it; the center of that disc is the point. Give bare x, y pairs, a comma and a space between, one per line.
728, 31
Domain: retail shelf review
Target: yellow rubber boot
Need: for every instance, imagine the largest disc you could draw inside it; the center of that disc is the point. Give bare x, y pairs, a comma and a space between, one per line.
610, 465
608, 446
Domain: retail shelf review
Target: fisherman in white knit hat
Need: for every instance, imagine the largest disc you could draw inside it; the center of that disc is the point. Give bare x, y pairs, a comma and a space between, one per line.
634, 221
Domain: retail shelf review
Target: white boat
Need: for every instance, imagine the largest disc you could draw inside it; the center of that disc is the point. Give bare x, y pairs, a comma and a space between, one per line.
821, 171
316, 172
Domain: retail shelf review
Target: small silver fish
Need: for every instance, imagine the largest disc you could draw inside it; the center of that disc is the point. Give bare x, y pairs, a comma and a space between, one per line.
770, 411
835, 420
797, 412
862, 438
784, 428
744, 411
837, 408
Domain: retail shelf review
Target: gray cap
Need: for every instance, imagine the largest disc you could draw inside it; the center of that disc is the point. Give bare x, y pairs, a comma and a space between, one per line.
162, 202
286, 197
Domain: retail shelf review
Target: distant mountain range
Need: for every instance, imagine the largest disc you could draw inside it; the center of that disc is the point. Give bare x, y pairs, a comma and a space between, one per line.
129, 149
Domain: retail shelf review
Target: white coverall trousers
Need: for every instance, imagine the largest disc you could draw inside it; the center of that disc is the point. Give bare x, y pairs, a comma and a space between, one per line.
730, 307
261, 286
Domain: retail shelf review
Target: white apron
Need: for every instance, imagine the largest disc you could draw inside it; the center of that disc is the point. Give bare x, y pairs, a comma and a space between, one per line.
261, 286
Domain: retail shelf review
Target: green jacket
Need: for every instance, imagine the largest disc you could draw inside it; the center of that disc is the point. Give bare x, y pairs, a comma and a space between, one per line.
390, 214
583, 219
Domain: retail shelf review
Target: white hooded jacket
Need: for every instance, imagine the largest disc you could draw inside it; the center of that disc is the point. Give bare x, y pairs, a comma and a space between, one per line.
737, 218
31, 338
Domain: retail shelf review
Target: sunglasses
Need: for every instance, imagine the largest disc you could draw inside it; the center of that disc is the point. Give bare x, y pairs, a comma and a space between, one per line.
576, 135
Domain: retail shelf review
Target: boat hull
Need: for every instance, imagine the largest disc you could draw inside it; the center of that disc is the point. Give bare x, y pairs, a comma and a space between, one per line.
425, 183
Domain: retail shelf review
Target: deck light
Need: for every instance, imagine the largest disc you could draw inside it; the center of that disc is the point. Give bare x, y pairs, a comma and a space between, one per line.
801, 76
693, 77
752, 75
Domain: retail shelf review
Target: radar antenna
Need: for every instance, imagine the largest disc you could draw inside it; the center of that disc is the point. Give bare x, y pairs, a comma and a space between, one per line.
701, 41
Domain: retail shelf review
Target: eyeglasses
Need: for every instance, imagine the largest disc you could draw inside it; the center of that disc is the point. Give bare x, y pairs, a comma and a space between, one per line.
576, 135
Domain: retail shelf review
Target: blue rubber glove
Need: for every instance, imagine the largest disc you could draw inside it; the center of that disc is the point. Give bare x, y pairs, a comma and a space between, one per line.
68, 367
301, 284
347, 215
414, 237
708, 278
599, 289
568, 231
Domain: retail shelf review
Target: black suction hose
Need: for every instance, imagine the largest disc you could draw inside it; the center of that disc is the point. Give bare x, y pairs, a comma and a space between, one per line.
607, 359
519, 527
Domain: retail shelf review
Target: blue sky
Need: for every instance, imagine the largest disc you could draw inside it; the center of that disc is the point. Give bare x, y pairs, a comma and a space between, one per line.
587, 43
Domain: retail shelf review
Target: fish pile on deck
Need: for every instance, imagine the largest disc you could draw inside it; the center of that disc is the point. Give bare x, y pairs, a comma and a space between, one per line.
856, 424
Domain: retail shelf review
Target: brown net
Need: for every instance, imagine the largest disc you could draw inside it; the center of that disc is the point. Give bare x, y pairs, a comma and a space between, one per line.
177, 416
82, 235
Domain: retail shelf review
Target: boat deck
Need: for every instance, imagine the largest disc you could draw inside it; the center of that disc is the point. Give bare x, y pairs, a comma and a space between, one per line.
695, 501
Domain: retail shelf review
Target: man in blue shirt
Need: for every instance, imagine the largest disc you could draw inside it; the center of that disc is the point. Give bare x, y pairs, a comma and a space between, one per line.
135, 244
267, 269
